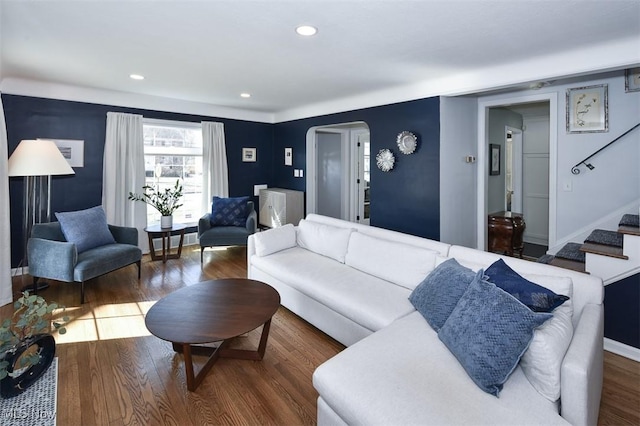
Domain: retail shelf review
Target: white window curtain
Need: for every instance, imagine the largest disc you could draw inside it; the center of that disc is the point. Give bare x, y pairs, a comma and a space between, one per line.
215, 173
123, 172
5, 224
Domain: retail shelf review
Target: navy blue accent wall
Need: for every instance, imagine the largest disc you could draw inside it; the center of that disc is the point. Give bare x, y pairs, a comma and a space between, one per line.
405, 199
31, 118
622, 311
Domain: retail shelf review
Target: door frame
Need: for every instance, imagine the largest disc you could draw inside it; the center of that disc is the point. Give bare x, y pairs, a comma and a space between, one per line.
345, 129
483, 167
516, 166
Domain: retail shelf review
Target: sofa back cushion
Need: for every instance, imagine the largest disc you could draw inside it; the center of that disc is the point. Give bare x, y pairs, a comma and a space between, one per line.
274, 240
87, 229
399, 263
327, 240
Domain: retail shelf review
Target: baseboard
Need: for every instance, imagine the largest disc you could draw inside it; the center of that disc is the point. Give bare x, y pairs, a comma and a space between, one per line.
622, 349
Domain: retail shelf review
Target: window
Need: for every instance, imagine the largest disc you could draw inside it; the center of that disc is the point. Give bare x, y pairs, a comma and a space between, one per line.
173, 150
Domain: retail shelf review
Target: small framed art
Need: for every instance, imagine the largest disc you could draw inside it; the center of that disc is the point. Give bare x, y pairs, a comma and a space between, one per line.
249, 155
588, 109
632, 80
494, 159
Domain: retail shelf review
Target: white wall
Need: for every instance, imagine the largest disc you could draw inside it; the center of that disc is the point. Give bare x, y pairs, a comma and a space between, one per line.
458, 135
615, 181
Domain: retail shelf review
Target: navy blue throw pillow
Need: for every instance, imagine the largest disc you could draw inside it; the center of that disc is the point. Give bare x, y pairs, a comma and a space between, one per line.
536, 297
437, 295
229, 211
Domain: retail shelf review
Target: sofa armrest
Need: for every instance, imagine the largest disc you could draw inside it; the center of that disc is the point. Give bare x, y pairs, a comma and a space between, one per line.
204, 224
582, 369
124, 234
51, 259
252, 222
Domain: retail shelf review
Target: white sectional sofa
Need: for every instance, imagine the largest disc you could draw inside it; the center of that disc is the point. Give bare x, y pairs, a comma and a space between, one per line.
353, 282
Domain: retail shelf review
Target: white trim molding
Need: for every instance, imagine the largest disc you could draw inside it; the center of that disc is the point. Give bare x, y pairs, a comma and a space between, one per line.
622, 349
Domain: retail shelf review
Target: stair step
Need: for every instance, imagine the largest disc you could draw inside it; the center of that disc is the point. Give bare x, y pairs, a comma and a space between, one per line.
571, 251
605, 237
629, 230
568, 264
604, 250
632, 220
629, 224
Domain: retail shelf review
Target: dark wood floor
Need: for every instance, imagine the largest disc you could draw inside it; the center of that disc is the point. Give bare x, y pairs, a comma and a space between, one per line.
112, 372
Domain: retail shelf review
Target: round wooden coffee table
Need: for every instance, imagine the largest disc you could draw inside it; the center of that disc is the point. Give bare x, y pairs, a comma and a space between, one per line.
213, 311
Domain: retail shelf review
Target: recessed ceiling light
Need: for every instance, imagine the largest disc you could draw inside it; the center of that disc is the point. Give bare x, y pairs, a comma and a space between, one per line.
245, 95
136, 76
306, 30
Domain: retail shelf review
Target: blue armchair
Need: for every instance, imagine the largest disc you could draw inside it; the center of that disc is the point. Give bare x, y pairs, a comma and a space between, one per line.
210, 235
51, 256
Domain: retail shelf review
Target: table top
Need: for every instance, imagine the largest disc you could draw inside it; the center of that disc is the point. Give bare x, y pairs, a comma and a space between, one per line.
211, 311
158, 229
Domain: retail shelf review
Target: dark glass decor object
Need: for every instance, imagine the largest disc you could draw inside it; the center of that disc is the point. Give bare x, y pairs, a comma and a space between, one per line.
14, 386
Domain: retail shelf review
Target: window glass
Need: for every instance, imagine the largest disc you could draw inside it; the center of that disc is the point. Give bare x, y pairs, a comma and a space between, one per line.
173, 151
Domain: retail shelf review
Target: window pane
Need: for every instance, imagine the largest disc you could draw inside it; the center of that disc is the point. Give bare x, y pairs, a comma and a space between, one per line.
175, 153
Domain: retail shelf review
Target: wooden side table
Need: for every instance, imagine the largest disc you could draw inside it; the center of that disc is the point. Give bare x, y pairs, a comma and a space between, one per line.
505, 232
155, 231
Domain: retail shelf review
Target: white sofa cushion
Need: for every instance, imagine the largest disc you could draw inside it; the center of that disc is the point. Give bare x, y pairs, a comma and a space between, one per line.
326, 240
399, 263
404, 375
541, 363
275, 239
367, 300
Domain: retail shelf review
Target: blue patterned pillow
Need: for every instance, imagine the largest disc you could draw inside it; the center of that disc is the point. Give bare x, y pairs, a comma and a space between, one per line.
536, 297
229, 211
87, 229
437, 295
488, 331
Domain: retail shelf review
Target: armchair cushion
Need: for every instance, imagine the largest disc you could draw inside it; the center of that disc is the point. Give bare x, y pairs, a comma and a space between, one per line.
229, 211
87, 229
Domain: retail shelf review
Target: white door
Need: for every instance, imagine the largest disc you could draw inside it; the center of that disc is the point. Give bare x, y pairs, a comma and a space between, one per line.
535, 166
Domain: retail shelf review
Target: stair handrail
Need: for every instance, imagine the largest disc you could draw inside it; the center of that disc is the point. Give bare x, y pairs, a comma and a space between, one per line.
576, 171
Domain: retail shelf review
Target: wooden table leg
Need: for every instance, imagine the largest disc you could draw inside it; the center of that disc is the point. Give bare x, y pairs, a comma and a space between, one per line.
194, 380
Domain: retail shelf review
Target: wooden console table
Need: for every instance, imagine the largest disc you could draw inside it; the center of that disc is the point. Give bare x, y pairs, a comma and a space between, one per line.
505, 232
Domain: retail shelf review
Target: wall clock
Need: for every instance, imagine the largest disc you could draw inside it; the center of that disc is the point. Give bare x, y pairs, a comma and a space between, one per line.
385, 160
407, 142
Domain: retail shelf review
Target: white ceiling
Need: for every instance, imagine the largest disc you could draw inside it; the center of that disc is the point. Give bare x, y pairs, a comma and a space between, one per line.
366, 52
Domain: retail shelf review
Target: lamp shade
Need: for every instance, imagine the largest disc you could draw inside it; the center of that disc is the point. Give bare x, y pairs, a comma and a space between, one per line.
39, 157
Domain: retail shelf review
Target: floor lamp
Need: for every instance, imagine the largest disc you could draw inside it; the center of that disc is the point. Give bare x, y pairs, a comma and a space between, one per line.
37, 160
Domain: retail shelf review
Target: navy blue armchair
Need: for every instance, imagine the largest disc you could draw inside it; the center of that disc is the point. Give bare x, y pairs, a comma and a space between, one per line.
51, 256
214, 235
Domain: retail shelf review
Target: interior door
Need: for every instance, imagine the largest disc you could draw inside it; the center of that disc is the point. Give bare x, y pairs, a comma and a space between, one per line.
329, 171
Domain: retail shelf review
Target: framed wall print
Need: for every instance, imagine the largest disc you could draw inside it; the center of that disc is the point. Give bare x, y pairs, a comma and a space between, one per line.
588, 109
249, 155
632, 80
494, 159
72, 150
288, 156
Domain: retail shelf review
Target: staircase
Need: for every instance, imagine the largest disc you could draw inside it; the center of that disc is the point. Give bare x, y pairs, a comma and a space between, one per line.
611, 255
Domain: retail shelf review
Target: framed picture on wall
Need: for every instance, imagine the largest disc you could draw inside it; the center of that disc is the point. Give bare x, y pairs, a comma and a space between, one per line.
588, 109
632, 80
494, 159
72, 150
249, 155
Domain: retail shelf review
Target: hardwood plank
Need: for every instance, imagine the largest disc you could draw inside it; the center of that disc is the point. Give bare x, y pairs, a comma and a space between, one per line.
113, 373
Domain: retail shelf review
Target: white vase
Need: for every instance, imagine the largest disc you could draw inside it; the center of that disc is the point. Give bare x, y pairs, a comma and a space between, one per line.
166, 221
